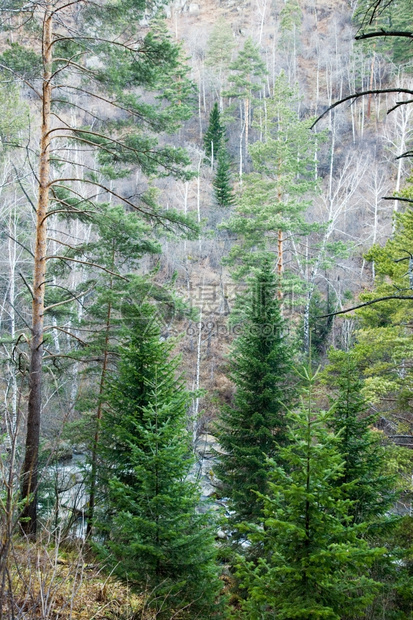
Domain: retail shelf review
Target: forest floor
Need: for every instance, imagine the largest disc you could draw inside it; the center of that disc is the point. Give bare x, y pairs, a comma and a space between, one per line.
64, 582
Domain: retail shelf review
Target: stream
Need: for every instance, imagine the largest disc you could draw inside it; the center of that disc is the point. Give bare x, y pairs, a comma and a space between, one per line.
63, 500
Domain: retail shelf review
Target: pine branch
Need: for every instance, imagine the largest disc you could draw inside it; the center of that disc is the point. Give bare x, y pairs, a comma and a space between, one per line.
97, 40
105, 189
19, 77
65, 331
66, 301
108, 101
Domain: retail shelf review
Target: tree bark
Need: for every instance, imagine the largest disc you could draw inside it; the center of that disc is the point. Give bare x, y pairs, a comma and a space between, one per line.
92, 496
30, 467
280, 262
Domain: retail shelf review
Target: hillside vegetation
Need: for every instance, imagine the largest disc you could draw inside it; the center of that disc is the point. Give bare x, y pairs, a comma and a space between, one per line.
206, 285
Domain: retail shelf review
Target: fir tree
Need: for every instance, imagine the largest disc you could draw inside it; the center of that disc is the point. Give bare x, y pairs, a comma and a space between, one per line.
253, 428
383, 346
364, 456
368, 481
214, 136
313, 562
223, 191
152, 533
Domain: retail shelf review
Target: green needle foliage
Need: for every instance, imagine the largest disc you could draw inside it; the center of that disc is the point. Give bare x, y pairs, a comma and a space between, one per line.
151, 532
224, 194
214, 137
219, 46
313, 560
384, 343
386, 17
276, 194
364, 456
254, 427
248, 72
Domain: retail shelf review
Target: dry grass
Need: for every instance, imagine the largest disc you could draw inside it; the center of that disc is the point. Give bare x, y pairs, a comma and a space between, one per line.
57, 582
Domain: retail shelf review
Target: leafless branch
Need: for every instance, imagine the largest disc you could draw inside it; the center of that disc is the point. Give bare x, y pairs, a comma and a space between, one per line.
384, 33
65, 331
18, 243
83, 262
27, 284
366, 303
396, 198
398, 104
374, 91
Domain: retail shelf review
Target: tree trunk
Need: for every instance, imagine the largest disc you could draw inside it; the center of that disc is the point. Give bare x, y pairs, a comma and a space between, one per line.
92, 496
280, 262
371, 83
30, 467
247, 120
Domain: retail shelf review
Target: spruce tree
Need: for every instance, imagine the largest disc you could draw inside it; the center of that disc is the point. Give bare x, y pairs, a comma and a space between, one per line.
368, 482
384, 338
314, 562
253, 428
223, 191
365, 474
214, 136
151, 532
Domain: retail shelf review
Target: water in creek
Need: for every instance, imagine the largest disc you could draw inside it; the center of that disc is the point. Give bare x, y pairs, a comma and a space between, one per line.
63, 499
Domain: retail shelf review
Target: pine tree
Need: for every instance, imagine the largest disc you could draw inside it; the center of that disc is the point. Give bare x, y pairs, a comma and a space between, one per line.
73, 57
313, 562
223, 191
247, 78
214, 137
219, 52
152, 534
276, 194
248, 72
386, 17
253, 428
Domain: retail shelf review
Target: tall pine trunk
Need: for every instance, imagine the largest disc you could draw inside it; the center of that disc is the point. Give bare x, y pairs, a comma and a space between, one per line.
30, 467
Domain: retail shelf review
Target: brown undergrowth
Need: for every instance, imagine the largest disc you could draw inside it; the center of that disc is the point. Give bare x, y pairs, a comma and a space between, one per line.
63, 581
